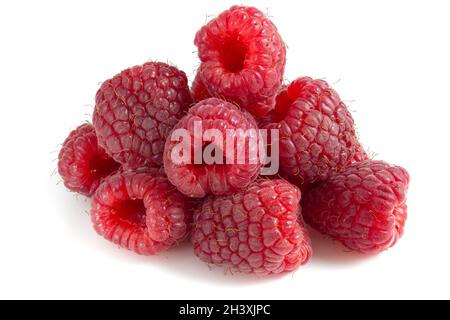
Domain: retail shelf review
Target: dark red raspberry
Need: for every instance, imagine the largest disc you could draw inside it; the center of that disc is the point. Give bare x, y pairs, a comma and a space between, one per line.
317, 134
197, 180
364, 206
141, 211
136, 110
259, 230
243, 58
82, 164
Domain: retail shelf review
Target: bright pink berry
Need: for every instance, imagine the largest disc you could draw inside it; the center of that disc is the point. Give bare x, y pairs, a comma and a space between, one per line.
141, 211
136, 110
259, 230
82, 164
364, 206
242, 58
317, 134
198, 180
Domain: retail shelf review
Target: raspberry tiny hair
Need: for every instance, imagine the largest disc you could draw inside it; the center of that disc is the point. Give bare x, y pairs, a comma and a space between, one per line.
141, 211
136, 109
259, 230
242, 58
196, 180
364, 206
360, 154
82, 163
317, 131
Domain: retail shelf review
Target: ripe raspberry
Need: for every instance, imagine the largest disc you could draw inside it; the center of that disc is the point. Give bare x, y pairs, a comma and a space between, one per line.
82, 164
141, 211
259, 230
243, 58
363, 206
136, 110
197, 180
198, 90
317, 135
360, 154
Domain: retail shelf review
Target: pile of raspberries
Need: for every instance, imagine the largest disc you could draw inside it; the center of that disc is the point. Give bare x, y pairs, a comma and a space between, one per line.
146, 202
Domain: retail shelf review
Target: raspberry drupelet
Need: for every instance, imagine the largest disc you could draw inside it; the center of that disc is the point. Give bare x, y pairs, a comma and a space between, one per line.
198, 90
360, 154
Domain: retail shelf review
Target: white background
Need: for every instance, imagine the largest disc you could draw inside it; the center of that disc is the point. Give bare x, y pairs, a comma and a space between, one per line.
392, 60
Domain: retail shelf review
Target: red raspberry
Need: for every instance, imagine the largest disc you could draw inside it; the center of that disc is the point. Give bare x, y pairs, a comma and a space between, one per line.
197, 180
136, 110
82, 164
317, 135
360, 154
198, 90
243, 58
141, 211
363, 206
259, 230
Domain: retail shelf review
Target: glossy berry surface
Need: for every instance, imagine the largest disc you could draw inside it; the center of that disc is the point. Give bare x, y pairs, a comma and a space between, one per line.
259, 230
82, 163
136, 109
221, 176
141, 211
364, 206
242, 58
316, 130
198, 90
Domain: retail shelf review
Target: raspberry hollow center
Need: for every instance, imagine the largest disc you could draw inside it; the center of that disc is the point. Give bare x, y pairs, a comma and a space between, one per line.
103, 166
132, 211
232, 55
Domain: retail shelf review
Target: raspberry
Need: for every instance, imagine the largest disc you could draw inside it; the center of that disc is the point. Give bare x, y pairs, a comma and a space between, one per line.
141, 211
317, 135
259, 230
360, 154
82, 164
198, 90
136, 110
363, 207
242, 58
197, 180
